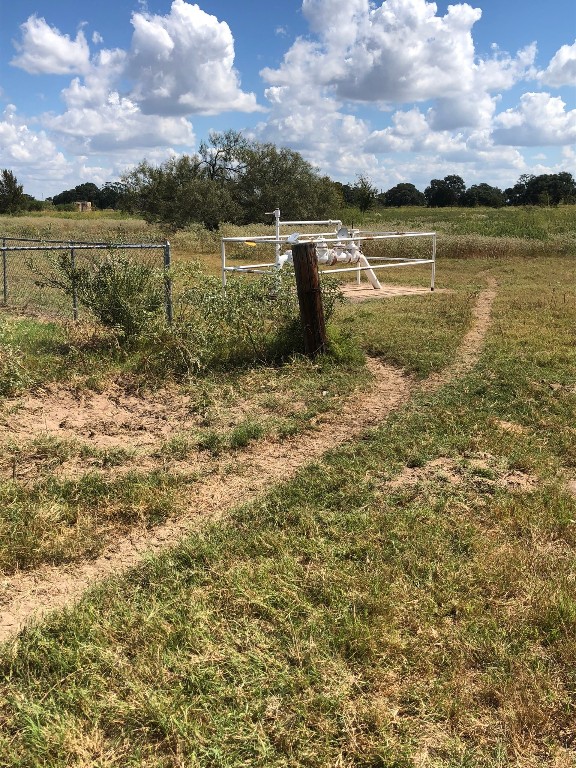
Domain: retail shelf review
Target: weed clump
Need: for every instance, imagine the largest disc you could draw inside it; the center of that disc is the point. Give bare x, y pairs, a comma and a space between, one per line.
251, 321
13, 373
119, 292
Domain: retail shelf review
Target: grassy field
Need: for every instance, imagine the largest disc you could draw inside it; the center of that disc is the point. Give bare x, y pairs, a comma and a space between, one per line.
407, 600
463, 233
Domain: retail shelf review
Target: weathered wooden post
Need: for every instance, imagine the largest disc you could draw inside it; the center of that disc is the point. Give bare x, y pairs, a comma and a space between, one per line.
309, 298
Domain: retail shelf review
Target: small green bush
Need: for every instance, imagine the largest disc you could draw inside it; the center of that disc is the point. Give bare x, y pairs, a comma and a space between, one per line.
121, 293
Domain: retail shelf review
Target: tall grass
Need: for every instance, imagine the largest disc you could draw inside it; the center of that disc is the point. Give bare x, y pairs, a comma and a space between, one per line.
531, 226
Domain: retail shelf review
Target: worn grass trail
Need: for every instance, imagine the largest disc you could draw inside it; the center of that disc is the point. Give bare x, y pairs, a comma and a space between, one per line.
30, 595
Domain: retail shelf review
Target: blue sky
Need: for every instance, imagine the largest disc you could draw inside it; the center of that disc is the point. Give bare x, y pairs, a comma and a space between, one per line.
399, 91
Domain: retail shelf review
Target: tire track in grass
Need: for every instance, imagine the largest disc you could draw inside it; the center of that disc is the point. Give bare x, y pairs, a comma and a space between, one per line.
25, 597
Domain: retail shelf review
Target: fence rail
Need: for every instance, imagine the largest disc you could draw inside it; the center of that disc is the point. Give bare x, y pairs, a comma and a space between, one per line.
26, 262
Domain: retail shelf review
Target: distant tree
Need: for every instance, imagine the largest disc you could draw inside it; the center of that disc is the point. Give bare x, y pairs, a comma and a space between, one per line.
176, 194
445, 192
12, 199
110, 195
83, 192
363, 193
404, 194
220, 156
483, 194
546, 189
518, 194
31, 204
347, 193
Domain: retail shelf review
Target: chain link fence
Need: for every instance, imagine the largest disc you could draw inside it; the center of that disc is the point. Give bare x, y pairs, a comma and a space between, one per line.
28, 267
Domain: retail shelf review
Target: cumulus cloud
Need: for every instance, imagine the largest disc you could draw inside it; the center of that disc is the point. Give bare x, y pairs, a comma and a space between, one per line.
118, 124
400, 51
178, 64
411, 71
45, 50
539, 120
393, 53
183, 63
328, 138
28, 152
562, 68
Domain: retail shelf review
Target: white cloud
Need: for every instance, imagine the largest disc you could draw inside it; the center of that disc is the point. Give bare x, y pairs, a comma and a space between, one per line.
106, 70
431, 100
118, 125
562, 68
27, 152
124, 102
539, 120
45, 50
398, 52
183, 63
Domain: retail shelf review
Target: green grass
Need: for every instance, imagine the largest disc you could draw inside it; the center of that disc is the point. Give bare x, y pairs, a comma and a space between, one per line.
62, 520
347, 619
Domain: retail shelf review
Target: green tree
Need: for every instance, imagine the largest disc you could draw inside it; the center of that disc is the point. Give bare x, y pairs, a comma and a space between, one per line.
364, 194
88, 191
546, 189
279, 177
483, 194
404, 194
12, 198
177, 193
219, 157
110, 195
445, 192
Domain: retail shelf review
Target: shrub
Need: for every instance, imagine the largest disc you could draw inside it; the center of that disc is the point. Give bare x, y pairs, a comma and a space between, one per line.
121, 293
253, 320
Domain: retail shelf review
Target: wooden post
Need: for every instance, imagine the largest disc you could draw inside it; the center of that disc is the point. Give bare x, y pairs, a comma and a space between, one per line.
309, 298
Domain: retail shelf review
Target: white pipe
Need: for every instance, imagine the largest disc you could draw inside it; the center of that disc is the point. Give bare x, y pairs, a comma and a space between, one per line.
370, 274
223, 257
276, 214
433, 275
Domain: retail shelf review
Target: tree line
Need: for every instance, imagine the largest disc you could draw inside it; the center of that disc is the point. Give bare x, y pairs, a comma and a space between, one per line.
235, 180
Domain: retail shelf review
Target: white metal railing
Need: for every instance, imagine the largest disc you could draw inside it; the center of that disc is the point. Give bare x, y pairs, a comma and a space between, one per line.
337, 246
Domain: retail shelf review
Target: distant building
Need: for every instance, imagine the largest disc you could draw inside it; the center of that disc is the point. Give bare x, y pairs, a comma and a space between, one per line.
84, 205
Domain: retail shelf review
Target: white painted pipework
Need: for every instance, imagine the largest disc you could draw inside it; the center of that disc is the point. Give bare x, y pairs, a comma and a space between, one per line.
332, 249
370, 274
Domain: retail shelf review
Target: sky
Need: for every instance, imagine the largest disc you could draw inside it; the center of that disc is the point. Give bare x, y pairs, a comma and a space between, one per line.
395, 91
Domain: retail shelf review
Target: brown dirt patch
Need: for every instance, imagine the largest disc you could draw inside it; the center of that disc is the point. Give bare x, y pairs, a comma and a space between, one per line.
104, 419
363, 292
483, 470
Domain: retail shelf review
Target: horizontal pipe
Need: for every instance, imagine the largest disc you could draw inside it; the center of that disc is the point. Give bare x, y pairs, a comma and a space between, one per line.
378, 266
329, 237
80, 247
316, 223
249, 266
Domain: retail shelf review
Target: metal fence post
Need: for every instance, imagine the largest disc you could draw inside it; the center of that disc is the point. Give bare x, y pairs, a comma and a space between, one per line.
4, 271
74, 286
167, 283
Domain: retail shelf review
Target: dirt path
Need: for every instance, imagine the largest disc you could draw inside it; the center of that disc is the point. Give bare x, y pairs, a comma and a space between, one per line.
27, 596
